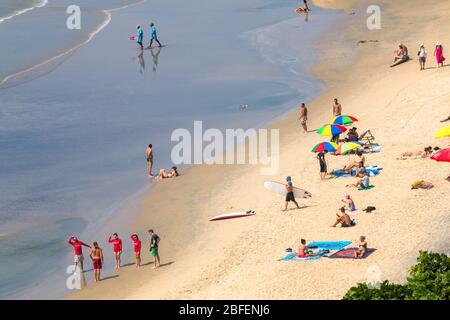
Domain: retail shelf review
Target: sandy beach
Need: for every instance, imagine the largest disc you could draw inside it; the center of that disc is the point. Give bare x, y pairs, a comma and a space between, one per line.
237, 259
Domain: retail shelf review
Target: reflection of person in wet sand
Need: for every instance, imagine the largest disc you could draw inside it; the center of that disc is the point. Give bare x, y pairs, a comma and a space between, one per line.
304, 9
141, 62
155, 53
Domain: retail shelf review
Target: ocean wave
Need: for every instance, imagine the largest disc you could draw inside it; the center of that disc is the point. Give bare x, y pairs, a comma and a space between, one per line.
40, 4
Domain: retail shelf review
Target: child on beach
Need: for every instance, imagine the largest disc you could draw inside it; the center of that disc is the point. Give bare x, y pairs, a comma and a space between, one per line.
362, 247
343, 219
117, 248
290, 194
136, 249
96, 255
303, 117
439, 54
422, 54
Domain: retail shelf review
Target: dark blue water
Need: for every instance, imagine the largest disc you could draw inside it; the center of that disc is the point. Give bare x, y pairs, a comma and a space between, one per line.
73, 137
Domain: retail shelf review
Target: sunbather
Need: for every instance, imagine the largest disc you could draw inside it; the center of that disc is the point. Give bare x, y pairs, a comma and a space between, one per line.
163, 174
420, 154
352, 135
362, 247
303, 251
362, 181
400, 55
343, 219
355, 163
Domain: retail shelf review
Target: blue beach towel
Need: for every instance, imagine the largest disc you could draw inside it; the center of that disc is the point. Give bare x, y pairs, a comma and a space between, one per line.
292, 256
372, 170
329, 245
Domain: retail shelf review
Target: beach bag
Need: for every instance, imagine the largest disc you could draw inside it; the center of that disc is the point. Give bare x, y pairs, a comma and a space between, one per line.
369, 209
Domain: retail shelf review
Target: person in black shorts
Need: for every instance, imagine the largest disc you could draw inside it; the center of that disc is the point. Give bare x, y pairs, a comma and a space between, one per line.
322, 164
290, 194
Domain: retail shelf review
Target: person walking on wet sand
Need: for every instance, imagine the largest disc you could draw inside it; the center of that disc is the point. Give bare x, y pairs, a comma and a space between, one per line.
290, 194
337, 108
140, 36
303, 117
154, 243
78, 252
149, 154
96, 255
153, 35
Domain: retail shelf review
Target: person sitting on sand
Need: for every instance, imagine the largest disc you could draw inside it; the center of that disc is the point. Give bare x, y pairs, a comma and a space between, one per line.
362, 247
362, 181
352, 135
163, 174
303, 251
349, 203
355, 163
400, 55
290, 194
425, 153
343, 219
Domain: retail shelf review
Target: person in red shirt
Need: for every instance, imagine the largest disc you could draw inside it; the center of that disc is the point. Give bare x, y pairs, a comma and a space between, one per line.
78, 251
114, 239
137, 249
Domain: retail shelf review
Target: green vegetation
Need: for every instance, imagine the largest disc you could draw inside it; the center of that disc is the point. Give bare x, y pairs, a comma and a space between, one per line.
429, 279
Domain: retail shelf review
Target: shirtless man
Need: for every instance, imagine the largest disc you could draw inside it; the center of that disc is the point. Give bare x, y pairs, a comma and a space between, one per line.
362, 247
428, 151
149, 154
303, 117
337, 108
343, 219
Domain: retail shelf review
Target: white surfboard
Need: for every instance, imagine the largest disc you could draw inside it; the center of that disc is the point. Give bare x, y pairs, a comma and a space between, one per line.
280, 188
232, 215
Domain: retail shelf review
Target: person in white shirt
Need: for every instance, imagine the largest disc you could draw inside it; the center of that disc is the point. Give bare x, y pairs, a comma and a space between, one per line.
422, 53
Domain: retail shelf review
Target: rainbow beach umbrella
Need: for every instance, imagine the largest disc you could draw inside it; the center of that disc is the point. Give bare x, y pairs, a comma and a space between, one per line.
347, 147
442, 155
325, 146
442, 132
331, 130
343, 120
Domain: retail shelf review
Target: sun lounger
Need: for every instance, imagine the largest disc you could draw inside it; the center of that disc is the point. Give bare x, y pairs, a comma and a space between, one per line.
367, 138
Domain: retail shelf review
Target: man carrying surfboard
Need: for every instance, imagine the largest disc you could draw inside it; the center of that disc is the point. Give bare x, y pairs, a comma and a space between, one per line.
290, 193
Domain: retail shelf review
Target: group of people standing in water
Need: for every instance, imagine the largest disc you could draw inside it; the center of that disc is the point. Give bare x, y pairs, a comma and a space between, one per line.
96, 252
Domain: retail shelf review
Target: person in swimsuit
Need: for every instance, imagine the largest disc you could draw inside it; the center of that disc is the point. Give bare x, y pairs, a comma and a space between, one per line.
140, 36
172, 174
343, 219
303, 251
349, 203
96, 255
337, 108
427, 152
136, 249
322, 164
149, 155
117, 248
352, 135
154, 244
355, 163
78, 252
153, 35
290, 193
400, 55
362, 247
303, 117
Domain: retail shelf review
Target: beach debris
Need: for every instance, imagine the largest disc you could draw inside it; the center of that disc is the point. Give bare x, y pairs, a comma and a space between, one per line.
366, 41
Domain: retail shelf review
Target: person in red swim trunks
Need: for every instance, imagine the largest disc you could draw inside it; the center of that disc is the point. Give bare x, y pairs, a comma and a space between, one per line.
78, 251
96, 255
137, 249
114, 239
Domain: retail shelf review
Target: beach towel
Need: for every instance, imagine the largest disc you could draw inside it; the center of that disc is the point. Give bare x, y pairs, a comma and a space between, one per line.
372, 170
292, 256
367, 188
329, 245
349, 253
372, 149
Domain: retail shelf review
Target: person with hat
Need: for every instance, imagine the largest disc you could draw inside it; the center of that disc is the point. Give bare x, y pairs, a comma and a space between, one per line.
422, 54
439, 54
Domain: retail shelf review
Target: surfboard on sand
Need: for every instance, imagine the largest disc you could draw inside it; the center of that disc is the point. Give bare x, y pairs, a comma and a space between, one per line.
232, 215
280, 188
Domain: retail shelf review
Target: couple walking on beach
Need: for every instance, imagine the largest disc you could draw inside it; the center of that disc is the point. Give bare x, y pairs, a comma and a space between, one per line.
438, 53
96, 253
153, 35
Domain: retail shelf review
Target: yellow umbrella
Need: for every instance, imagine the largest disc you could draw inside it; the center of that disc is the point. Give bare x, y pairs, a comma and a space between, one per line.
442, 132
347, 147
